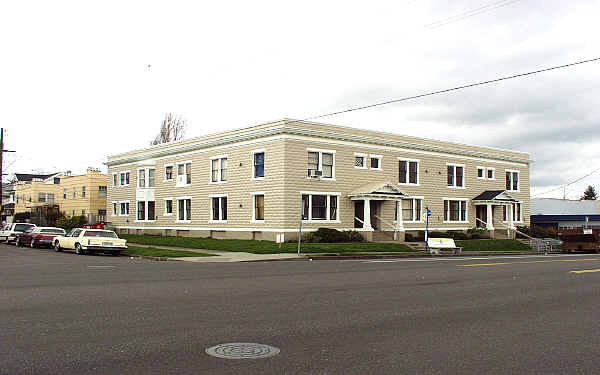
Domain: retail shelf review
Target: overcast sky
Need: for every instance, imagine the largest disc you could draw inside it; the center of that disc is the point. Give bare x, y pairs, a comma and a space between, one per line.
80, 80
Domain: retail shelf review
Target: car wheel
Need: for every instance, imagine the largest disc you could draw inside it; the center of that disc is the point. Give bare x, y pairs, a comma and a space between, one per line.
57, 247
78, 249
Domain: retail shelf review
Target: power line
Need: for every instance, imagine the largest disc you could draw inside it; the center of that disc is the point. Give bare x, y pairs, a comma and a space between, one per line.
450, 89
469, 13
565, 185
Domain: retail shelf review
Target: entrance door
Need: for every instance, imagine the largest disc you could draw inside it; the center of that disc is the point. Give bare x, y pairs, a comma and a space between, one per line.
359, 212
481, 214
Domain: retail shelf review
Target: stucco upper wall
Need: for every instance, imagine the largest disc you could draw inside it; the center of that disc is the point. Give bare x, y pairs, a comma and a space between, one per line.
310, 129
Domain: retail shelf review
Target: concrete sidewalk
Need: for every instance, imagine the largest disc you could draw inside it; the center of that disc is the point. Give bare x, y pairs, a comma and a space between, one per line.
224, 256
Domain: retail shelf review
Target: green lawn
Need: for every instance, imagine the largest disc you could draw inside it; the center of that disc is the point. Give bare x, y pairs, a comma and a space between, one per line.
492, 245
149, 251
264, 247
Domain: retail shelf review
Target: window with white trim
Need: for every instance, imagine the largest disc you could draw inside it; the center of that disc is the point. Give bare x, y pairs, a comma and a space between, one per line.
101, 191
408, 171
115, 208
323, 161
124, 209
168, 206
320, 207
169, 172
114, 180
455, 210
517, 212
124, 179
360, 161
375, 162
146, 178
146, 211
512, 180
184, 209
259, 207
258, 160
218, 211
456, 178
411, 210
218, 169
491, 173
184, 174
481, 173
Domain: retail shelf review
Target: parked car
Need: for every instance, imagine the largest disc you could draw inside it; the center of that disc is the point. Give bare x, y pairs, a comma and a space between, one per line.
8, 234
38, 236
89, 241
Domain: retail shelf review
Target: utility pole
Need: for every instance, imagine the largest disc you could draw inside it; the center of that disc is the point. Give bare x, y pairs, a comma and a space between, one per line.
2, 151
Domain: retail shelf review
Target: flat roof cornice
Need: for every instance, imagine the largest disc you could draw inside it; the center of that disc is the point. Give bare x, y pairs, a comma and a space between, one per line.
288, 127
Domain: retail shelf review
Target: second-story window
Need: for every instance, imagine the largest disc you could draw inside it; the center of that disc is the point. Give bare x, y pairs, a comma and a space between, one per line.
64, 193
456, 175
360, 161
83, 192
124, 178
101, 191
259, 165
218, 169
168, 173
184, 174
512, 180
322, 161
408, 171
142, 178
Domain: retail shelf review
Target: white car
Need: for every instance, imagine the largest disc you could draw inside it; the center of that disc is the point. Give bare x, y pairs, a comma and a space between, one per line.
85, 241
8, 234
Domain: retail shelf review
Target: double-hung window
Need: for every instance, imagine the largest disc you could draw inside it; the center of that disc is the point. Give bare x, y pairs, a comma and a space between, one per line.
124, 178
456, 175
218, 169
455, 210
408, 171
114, 179
258, 170
146, 178
512, 180
481, 173
184, 173
321, 160
184, 209
169, 172
115, 208
320, 206
146, 210
411, 209
124, 208
259, 207
142, 178
168, 206
218, 211
83, 192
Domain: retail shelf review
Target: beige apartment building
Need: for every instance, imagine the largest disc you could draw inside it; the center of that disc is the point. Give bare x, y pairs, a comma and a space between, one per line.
74, 194
262, 181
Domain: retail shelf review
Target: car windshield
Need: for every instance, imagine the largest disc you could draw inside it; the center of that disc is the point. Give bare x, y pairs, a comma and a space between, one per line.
23, 227
52, 231
100, 233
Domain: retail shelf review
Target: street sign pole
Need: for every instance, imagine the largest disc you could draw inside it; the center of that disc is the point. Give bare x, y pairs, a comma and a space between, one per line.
428, 213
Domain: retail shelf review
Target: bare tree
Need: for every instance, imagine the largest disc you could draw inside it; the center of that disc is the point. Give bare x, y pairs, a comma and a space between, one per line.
173, 128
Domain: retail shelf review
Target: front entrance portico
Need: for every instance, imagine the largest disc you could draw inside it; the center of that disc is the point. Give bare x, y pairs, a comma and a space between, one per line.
484, 208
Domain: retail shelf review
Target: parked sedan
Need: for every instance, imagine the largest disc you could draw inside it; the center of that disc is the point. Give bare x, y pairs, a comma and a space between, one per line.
39, 236
85, 241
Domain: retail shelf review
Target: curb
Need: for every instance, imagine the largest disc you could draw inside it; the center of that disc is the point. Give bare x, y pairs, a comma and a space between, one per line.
159, 259
414, 255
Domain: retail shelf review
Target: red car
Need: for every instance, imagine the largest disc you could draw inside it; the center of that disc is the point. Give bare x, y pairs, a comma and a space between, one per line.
39, 236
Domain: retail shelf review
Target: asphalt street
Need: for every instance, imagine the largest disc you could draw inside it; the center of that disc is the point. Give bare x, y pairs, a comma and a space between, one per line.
66, 314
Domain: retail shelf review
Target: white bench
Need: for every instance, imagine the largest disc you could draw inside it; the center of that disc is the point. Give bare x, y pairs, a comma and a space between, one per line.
439, 244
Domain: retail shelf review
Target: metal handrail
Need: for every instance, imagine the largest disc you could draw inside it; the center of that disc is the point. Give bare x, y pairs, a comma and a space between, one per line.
362, 222
394, 227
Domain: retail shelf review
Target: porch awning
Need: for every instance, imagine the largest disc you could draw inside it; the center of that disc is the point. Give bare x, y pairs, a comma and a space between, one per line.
377, 190
494, 197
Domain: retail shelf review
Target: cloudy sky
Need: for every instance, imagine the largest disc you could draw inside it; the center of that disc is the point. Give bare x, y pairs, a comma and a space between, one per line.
80, 80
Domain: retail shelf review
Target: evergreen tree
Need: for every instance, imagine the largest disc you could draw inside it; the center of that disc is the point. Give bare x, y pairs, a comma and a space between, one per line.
589, 194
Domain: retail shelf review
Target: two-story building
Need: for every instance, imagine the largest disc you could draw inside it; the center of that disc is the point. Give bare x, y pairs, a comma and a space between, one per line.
264, 180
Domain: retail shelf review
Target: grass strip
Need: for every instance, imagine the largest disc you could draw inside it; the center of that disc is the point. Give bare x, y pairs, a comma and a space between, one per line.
154, 252
263, 247
492, 245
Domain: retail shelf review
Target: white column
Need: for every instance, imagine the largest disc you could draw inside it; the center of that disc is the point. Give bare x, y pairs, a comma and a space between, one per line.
399, 220
367, 214
509, 212
490, 217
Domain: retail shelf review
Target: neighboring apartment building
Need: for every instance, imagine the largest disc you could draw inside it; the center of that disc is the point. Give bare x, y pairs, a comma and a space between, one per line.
260, 181
8, 202
75, 195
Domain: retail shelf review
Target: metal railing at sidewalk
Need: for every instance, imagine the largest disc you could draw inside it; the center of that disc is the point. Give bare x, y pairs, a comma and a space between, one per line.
538, 244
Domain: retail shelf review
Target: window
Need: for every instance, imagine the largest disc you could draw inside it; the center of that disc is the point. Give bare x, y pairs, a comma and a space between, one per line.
456, 175
408, 172
101, 215
360, 161
141, 178
141, 210
101, 191
259, 207
114, 208
83, 192
320, 206
480, 173
455, 210
168, 206
184, 209
218, 208
50, 197
146, 211
218, 169
124, 178
184, 173
74, 193
151, 178
376, 162
516, 212
490, 173
114, 181
124, 209
259, 164
411, 209
512, 180
56, 181
83, 212
168, 172
322, 161
41, 197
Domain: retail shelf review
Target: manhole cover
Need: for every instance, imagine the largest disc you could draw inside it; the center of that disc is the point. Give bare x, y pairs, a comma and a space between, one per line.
242, 350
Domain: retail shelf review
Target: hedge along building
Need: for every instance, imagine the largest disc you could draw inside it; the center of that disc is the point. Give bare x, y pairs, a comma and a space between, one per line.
260, 181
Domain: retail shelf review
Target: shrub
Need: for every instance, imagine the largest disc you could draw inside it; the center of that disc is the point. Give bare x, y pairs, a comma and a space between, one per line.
478, 233
409, 237
329, 235
457, 235
69, 223
436, 234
